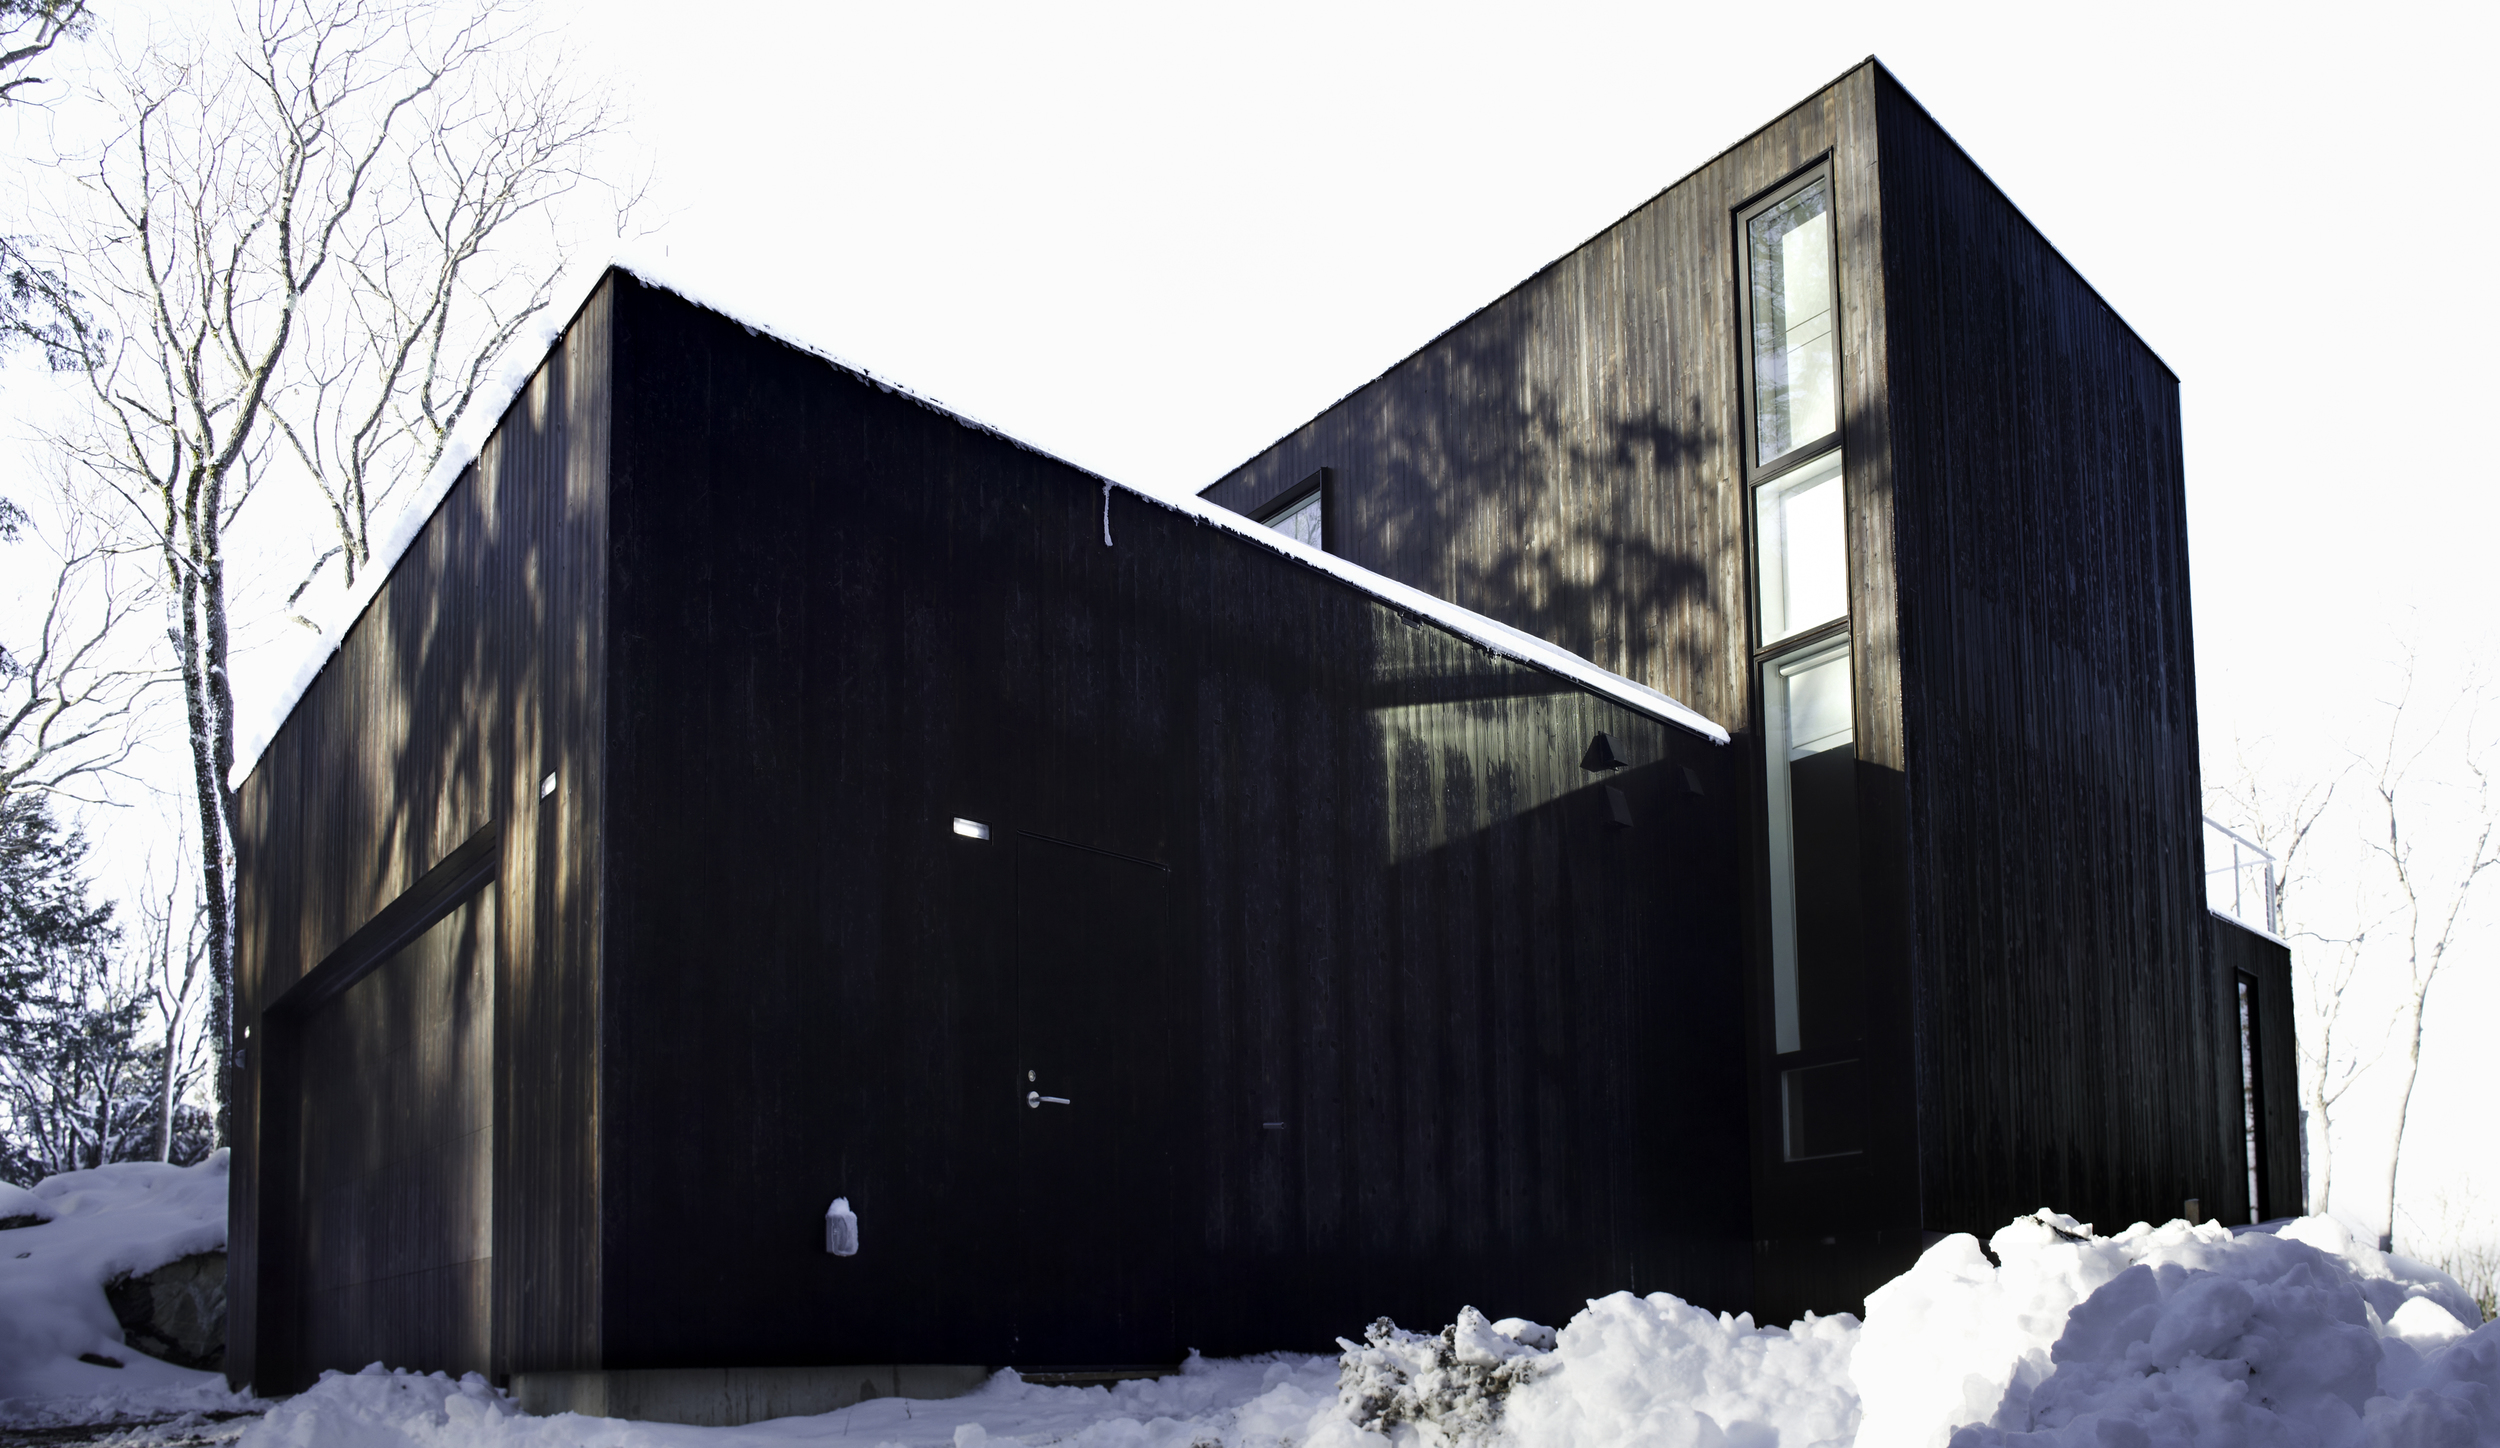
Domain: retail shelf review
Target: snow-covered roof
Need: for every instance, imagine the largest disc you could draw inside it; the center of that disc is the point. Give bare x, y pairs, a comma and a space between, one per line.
254, 731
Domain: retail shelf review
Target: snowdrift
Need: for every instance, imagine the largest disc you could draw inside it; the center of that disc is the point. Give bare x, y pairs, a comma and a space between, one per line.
131, 1217
2050, 1336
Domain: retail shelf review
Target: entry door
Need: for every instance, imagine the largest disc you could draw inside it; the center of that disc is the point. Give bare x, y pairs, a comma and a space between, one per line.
1092, 1100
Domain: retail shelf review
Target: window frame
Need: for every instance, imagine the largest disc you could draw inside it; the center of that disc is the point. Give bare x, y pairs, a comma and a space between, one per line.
1322, 481
1757, 471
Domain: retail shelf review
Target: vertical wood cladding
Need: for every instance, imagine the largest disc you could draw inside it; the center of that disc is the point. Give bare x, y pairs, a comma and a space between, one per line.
394, 1236
1569, 459
1492, 1027
2074, 1045
473, 672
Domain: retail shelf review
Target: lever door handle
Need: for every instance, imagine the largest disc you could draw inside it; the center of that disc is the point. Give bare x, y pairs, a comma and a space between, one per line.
1035, 1099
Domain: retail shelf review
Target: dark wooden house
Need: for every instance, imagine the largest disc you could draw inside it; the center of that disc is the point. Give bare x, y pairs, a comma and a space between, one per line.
755, 786
1827, 441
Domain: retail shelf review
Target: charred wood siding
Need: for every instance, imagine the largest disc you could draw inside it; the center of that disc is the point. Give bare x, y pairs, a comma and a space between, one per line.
1434, 1030
1571, 460
1568, 460
2282, 1189
2074, 1046
474, 672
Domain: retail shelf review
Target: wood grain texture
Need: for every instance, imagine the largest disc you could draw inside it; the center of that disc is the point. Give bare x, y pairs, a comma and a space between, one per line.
2075, 1045
472, 673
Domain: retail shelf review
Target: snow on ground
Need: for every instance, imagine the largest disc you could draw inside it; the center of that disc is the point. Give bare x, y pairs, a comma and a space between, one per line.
2051, 1336
128, 1217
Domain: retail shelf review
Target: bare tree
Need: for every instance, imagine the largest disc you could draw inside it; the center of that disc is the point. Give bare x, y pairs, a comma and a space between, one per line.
268, 214
2430, 894
2286, 828
28, 31
431, 293
174, 939
70, 702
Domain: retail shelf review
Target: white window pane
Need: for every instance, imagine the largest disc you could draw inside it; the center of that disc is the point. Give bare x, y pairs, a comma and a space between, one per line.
1818, 707
1300, 522
1795, 359
1801, 530
1807, 713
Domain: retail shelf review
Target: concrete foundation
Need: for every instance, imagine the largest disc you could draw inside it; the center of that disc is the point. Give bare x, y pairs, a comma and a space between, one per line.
726, 1397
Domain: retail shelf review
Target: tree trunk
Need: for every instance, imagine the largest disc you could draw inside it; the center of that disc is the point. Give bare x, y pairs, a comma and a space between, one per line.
2404, 1108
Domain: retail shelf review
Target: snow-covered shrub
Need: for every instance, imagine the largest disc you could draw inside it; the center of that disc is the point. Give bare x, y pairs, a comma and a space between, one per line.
1449, 1384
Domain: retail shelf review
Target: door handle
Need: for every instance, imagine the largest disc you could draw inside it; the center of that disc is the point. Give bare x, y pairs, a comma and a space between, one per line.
1035, 1099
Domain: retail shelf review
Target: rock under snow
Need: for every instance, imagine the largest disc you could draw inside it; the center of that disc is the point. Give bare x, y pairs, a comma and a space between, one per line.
59, 1340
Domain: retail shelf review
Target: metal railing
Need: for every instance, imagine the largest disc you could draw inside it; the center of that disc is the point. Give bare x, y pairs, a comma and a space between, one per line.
2239, 877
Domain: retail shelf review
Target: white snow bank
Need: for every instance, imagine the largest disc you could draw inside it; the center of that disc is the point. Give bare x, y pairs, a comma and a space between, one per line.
129, 1217
2173, 1335
16, 1201
1263, 1401
257, 719
2157, 1337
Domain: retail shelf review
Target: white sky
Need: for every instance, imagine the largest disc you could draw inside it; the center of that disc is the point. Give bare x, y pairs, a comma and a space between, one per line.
1153, 238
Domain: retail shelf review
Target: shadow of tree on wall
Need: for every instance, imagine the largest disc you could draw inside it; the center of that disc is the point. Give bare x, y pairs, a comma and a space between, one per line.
1514, 468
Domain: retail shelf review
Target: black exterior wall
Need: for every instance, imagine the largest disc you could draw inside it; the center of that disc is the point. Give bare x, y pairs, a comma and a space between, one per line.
2282, 1176
2045, 1024
406, 781
2074, 1048
1386, 910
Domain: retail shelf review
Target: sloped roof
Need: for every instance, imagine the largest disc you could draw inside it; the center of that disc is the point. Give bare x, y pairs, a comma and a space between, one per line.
255, 730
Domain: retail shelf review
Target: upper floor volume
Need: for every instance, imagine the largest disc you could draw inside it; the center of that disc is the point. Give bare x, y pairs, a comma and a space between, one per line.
1829, 442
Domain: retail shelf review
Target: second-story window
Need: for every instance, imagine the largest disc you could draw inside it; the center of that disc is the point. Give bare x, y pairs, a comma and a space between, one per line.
1301, 513
1299, 519
1796, 355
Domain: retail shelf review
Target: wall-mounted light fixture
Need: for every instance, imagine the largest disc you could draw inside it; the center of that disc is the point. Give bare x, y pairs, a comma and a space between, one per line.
971, 829
1602, 756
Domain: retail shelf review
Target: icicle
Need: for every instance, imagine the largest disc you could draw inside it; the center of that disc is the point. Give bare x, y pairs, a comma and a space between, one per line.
1106, 515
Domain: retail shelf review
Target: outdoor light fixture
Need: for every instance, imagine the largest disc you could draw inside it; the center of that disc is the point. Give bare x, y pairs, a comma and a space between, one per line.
971, 829
1601, 756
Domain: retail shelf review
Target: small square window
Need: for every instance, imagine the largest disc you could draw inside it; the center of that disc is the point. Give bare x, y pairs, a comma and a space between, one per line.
1300, 519
1822, 1111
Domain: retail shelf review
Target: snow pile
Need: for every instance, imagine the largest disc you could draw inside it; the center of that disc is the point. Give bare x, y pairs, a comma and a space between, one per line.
22, 1208
1657, 1370
126, 1218
2173, 1335
1262, 1402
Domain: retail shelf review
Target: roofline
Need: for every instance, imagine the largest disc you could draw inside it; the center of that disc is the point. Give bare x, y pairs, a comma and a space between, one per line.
1716, 157
513, 374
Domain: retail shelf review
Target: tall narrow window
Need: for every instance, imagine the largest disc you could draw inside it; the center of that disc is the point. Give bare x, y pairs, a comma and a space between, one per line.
1796, 359
2249, 1143
1811, 789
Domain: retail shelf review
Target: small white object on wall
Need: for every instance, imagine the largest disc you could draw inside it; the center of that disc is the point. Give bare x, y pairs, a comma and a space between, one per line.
841, 1228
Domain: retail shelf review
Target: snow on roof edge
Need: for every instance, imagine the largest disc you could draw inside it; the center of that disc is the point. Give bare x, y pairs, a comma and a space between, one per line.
521, 362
